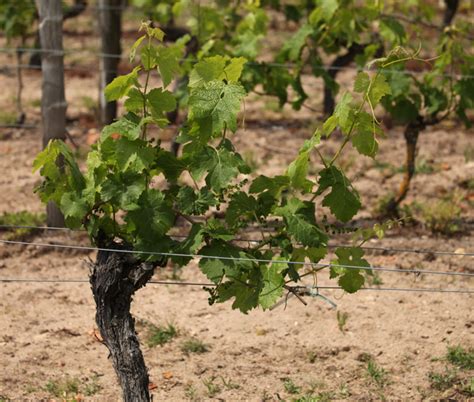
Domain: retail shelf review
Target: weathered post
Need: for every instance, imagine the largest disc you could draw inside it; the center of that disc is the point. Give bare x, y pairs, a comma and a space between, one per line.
53, 103
110, 27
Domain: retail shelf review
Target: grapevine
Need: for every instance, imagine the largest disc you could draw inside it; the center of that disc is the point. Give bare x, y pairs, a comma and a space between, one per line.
134, 195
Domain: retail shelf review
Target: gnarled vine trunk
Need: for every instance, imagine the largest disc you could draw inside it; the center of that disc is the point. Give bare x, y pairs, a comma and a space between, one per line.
412, 132
114, 279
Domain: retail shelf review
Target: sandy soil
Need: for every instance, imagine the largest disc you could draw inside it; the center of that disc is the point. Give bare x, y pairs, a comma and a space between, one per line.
47, 335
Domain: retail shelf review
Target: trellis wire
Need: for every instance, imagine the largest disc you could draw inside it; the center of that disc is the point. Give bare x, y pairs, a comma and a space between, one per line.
375, 248
202, 284
225, 258
250, 63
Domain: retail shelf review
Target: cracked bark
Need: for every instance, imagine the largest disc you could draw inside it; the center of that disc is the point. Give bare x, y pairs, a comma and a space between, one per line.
114, 279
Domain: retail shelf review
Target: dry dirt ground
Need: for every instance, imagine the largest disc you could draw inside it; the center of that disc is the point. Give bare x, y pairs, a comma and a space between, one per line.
384, 345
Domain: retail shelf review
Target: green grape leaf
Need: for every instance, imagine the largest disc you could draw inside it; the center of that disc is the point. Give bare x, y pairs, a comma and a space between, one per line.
301, 224
364, 137
124, 191
246, 295
298, 171
217, 104
206, 70
121, 128
295, 44
233, 70
160, 102
154, 217
120, 86
343, 112
378, 89
134, 48
273, 185
343, 200
272, 284
135, 101
73, 205
134, 155
189, 245
241, 206
229, 263
350, 278
170, 165
168, 61
362, 82
195, 203
392, 30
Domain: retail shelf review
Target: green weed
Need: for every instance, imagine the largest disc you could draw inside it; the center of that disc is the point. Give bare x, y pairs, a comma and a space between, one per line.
468, 387
228, 384
90, 104
194, 345
251, 160
469, 154
290, 386
377, 374
22, 218
191, 392
159, 335
441, 216
212, 388
460, 357
443, 381
92, 387
66, 388
342, 318
7, 117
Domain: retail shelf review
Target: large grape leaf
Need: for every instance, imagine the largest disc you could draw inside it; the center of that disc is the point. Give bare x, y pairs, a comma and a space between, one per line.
343, 200
216, 105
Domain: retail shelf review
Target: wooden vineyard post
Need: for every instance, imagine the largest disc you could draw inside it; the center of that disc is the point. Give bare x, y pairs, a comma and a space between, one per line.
53, 103
110, 27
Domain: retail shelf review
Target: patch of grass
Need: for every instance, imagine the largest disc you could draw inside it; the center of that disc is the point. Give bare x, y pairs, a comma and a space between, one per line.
468, 387
191, 392
441, 216
469, 153
290, 386
342, 318
460, 357
7, 117
35, 102
92, 387
22, 218
312, 356
159, 335
443, 381
344, 391
66, 388
212, 387
228, 384
251, 160
194, 345
374, 279
377, 374
90, 104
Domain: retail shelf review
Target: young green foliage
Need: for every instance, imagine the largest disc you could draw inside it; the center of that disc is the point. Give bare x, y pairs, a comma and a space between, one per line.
117, 200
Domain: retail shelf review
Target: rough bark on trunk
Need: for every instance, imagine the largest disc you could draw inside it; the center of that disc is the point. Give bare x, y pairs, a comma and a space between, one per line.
412, 132
114, 279
110, 27
53, 102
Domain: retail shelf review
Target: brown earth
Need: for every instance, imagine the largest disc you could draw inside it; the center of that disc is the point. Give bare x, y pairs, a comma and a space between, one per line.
47, 335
